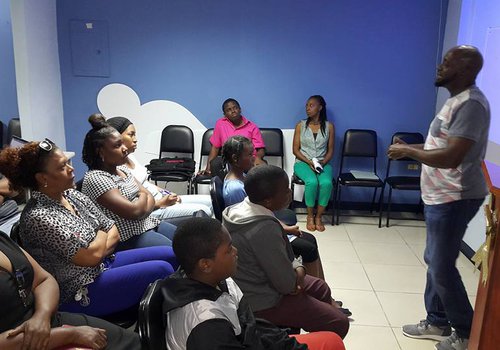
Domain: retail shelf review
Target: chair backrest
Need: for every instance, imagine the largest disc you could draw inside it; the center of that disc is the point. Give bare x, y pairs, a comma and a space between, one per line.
216, 185
14, 128
273, 139
79, 184
407, 137
359, 143
206, 146
177, 139
150, 321
14, 234
2, 132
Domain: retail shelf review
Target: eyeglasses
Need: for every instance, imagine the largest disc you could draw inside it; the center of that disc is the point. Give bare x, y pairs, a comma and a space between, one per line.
46, 145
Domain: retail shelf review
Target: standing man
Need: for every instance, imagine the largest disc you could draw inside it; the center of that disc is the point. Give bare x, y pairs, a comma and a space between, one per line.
453, 189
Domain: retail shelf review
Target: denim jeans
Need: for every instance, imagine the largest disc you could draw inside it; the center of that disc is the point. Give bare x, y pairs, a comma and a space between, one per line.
445, 297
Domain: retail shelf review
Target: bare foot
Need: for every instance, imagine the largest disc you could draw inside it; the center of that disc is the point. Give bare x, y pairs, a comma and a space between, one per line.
310, 224
319, 224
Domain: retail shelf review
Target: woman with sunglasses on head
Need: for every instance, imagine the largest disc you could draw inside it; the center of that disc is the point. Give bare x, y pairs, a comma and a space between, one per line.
111, 185
30, 296
73, 240
167, 204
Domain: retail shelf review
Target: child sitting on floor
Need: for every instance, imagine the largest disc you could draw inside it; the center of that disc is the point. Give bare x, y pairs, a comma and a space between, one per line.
274, 282
205, 309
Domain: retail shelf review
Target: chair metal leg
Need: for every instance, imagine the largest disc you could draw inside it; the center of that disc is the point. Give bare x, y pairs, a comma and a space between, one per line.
292, 187
380, 206
389, 206
333, 205
338, 201
373, 200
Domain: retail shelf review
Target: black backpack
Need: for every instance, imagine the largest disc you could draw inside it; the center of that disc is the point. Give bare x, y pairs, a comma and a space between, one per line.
172, 165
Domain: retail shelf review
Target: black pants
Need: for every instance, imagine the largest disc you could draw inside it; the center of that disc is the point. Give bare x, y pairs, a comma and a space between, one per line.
306, 246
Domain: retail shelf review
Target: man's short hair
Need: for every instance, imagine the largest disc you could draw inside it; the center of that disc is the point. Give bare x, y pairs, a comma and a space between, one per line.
262, 182
195, 239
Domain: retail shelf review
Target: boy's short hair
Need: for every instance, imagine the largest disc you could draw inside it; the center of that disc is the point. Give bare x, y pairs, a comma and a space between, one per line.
195, 239
262, 182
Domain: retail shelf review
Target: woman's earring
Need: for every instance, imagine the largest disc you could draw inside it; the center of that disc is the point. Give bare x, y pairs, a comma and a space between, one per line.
45, 184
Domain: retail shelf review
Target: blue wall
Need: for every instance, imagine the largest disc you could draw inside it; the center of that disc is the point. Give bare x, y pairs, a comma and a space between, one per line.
373, 61
8, 95
478, 18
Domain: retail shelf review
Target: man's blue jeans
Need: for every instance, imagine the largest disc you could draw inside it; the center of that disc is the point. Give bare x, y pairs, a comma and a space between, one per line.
445, 297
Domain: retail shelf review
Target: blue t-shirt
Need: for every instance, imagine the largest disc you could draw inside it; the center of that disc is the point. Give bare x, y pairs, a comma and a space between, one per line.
233, 192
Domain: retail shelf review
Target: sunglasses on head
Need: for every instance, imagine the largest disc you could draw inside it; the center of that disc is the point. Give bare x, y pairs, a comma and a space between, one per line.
46, 145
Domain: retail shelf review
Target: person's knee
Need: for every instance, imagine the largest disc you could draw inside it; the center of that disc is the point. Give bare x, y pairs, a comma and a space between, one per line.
326, 184
331, 340
311, 181
341, 326
309, 253
442, 274
159, 269
319, 289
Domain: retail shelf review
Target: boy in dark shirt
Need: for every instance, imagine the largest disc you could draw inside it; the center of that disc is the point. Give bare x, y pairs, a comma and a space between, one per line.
205, 309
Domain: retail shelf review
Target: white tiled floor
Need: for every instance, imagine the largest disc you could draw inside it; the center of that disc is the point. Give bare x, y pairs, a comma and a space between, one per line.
380, 275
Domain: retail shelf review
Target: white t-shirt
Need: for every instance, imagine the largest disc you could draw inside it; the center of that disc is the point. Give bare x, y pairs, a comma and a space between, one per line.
141, 174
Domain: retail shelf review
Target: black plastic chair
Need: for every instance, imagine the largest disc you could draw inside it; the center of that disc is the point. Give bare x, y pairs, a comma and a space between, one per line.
175, 139
14, 235
150, 322
401, 183
273, 139
358, 144
206, 146
216, 185
79, 184
2, 132
13, 128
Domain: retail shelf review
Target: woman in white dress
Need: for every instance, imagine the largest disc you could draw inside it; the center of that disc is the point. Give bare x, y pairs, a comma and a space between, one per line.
168, 204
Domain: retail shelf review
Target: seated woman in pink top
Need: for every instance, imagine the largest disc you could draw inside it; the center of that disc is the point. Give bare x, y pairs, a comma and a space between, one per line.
231, 124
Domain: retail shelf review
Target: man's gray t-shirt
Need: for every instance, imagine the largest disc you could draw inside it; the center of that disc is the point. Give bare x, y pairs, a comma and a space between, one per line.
465, 115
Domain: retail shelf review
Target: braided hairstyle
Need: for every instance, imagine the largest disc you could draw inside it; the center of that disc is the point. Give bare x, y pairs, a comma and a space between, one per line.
20, 165
95, 139
234, 146
322, 113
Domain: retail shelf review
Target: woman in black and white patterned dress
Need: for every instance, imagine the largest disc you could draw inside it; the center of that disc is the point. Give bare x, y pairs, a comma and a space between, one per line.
111, 185
73, 240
